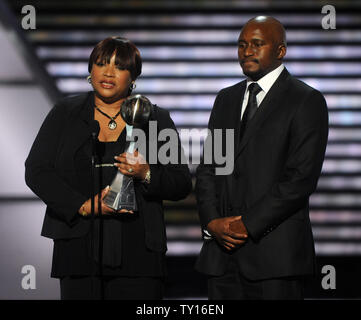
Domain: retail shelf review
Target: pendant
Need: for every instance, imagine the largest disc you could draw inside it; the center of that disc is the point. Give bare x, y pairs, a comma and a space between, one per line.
112, 125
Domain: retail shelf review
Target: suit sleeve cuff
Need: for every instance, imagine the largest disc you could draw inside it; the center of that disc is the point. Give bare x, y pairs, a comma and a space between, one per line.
210, 213
255, 232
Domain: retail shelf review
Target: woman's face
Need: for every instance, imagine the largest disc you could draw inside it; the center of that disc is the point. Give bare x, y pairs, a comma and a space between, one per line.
109, 81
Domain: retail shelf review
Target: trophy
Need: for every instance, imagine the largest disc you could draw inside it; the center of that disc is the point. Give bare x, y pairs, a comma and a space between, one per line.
135, 111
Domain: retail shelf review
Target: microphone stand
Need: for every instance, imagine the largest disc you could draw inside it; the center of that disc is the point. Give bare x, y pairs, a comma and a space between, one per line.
92, 195
94, 134
100, 251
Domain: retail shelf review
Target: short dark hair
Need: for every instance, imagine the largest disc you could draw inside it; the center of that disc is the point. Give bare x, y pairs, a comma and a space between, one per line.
127, 55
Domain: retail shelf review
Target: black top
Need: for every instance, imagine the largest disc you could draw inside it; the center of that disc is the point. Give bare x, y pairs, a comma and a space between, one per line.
123, 235
50, 172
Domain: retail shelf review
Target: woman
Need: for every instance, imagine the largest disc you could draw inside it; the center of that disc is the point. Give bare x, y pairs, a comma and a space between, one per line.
58, 171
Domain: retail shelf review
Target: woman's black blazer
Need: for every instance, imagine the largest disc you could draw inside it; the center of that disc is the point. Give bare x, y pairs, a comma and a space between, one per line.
51, 175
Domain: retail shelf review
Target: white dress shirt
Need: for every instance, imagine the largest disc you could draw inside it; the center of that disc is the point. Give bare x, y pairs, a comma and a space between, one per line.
266, 82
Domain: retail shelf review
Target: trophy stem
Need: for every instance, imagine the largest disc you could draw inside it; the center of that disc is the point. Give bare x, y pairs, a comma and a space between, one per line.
136, 111
129, 136
122, 194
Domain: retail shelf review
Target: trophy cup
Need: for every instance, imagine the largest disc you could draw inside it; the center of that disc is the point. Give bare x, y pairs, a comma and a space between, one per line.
135, 111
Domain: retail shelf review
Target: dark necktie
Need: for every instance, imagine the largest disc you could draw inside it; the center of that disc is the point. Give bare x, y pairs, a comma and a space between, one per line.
251, 107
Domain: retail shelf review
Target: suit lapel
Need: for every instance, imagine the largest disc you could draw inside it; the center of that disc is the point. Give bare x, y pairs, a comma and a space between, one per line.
235, 116
233, 121
80, 130
230, 114
268, 106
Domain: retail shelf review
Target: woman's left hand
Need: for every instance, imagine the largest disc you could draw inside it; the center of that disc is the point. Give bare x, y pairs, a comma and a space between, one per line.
132, 165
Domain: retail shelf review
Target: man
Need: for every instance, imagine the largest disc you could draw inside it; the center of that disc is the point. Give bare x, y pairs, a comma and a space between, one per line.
255, 221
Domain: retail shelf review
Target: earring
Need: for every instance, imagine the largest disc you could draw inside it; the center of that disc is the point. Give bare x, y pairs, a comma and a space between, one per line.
132, 86
89, 79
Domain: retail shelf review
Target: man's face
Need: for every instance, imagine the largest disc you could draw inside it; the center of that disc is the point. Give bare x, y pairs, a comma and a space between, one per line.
258, 51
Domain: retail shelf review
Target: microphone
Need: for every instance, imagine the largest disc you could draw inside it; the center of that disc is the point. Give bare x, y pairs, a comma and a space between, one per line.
95, 128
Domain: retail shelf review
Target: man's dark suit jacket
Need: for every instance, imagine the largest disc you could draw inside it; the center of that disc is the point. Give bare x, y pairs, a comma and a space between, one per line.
51, 174
277, 166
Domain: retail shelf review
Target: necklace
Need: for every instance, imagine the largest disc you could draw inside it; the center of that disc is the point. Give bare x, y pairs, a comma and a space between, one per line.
112, 125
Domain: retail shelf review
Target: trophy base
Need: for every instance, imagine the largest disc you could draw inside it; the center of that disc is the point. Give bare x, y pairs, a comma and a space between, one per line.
118, 201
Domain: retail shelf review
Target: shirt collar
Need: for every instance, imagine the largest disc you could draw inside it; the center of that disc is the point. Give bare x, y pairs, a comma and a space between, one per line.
268, 80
